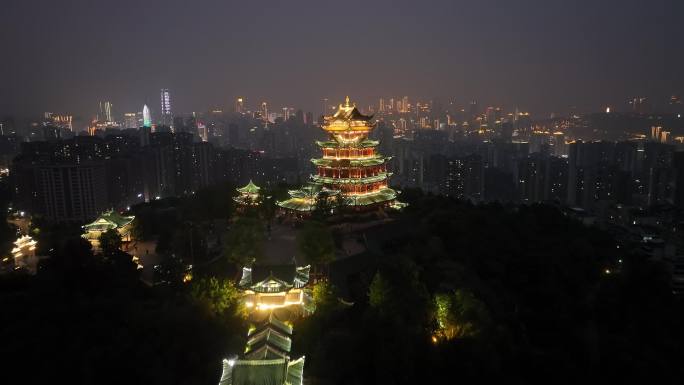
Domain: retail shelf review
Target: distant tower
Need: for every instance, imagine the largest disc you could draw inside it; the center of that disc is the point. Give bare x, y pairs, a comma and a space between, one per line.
166, 116
105, 111
240, 105
147, 118
264, 111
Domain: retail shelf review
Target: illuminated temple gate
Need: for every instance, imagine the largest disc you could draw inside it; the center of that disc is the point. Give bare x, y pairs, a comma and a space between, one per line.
274, 286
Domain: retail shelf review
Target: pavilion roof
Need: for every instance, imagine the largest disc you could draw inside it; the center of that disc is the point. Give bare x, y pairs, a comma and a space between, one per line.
348, 111
381, 196
372, 161
249, 188
266, 360
366, 143
109, 220
369, 179
274, 278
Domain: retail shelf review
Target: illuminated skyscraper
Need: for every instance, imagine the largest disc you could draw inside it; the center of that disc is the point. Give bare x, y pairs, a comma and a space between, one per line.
147, 118
105, 111
240, 105
166, 116
130, 120
264, 111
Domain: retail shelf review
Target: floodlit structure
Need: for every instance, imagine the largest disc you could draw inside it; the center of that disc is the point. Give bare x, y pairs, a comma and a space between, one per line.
24, 253
108, 220
276, 286
147, 117
266, 360
166, 115
248, 195
350, 168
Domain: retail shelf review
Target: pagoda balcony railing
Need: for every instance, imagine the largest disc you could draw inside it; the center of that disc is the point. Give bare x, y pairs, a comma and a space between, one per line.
330, 180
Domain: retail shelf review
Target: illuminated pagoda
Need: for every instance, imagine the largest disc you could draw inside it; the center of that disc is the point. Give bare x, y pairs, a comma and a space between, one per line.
350, 166
107, 221
274, 286
266, 359
248, 195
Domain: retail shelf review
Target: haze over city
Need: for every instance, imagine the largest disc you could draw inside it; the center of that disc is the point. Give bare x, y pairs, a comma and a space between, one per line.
342, 193
539, 56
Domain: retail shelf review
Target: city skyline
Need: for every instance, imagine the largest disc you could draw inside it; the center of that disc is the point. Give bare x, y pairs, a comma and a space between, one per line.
504, 55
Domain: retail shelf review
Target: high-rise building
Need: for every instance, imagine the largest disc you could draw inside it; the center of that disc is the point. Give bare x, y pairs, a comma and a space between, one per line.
72, 192
147, 117
105, 112
240, 105
130, 120
678, 164
166, 115
264, 111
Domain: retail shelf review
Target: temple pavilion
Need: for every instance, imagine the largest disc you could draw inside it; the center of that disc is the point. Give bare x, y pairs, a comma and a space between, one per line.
24, 253
350, 166
107, 221
266, 359
274, 286
248, 195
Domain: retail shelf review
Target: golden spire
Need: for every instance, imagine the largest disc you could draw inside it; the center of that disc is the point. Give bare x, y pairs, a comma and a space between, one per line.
346, 101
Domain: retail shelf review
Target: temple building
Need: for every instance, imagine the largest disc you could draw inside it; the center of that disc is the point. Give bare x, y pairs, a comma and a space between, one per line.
248, 195
276, 286
350, 166
106, 221
266, 359
24, 254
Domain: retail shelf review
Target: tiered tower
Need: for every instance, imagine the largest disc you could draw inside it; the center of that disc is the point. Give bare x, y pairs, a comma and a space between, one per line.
350, 165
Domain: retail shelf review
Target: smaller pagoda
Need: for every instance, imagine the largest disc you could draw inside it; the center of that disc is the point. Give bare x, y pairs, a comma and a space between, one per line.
274, 286
266, 359
248, 195
107, 221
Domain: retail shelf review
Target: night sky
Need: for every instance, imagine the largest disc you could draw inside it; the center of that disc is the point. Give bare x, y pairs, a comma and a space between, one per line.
540, 55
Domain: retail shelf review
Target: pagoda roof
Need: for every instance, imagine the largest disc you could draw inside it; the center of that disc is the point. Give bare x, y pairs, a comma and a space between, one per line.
304, 199
267, 343
366, 143
249, 188
108, 220
381, 196
348, 111
271, 321
298, 204
277, 371
266, 360
274, 278
371, 179
371, 161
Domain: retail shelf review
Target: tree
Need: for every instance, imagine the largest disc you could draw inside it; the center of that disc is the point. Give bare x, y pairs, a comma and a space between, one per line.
460, 315
171, 270
244, 241
324, 296
110, 242
316, 243
379, 292
218, 295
